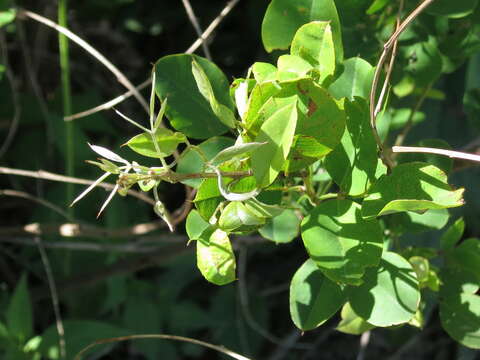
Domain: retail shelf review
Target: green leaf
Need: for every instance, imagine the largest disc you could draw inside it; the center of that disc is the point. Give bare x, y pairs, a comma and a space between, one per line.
277, 131
234, 151
355, 80
313, 42
411, 187
19, 312
404, 222
187, 109
313, 297
263, 72
320, 124
215, 257
389, 294
167, 141
292, 67
223, 113
237, 217
457, 280
255, 115
284, 17
6, 17
79, 334
467, 255
425, 65
282, 228
351, 323
354, 164
421, 266
195, 225
341, 242
460, 316
376, 6
452, 235
191, 162
452, 9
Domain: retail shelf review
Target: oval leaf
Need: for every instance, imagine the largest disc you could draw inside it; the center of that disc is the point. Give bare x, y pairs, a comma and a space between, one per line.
355, 80
236, 150
282, 228
187, 109
389, 294
411, 187
277, 131
313, 297
167, 142
313, 42
284, 17
340, 242
460, 316
215, 257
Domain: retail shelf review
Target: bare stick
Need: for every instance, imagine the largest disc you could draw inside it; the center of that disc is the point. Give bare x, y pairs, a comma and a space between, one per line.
193, 19
92, 51
54, 294
220, 349
84, 230
24, 195
129, 248
390, 65
41, 174
15, 98
147, 82
386, 48
426, 150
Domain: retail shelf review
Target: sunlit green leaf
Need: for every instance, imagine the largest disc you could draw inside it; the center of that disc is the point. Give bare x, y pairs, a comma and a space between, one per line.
187, 109
167, 142
237, 217
6, 17
354, 164
264, 71
277, 132
215, 257
283, 18
313, 42
235, 150
389, 294
411, 187
282, 228
452, 9
195, 225
351, 323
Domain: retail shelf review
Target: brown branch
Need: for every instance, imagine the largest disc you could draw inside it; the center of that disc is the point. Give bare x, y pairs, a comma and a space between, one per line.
122, 79
205, 35
69, 230
386, 48
41, 174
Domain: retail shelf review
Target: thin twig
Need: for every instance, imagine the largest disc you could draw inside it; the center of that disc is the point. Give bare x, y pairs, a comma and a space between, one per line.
24, 195
15, 98
54, 294
193, 19
128, 248
386, 48
364, 341
220, 349
426, 150
390, 65
70, 230
92, 51
205, 35
41, 174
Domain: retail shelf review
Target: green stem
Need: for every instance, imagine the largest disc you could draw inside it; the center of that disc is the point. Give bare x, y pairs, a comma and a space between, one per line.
66, 98
67, 110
